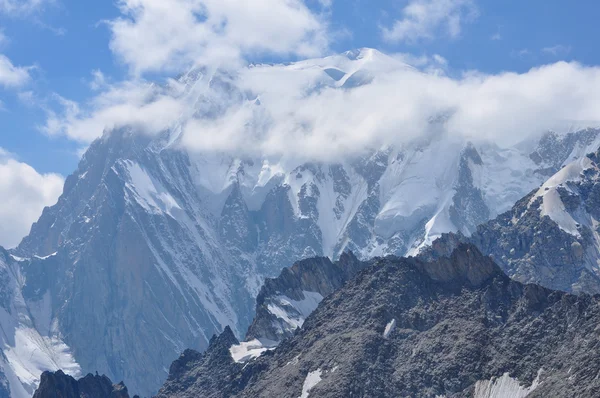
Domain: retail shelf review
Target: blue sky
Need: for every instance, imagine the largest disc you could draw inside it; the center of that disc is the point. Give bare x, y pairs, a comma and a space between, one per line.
67, 39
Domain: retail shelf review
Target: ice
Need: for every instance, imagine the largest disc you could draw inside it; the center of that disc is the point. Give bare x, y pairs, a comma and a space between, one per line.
553, 207
333, 227
570, 172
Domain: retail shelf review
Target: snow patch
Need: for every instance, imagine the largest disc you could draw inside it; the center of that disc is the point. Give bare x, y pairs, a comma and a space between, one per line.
312, 379
249, 350
153, 197
504, 387
45, 257
30, 341
33, 354
389, 328
292, 312
553, 207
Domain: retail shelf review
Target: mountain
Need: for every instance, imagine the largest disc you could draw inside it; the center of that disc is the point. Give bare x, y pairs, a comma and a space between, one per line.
153, 248
456, 326
551, 237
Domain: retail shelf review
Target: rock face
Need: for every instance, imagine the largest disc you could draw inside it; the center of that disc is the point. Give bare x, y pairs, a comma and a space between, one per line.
455, 327
286, 301
152, 249
210, 369
282, 307
60, 385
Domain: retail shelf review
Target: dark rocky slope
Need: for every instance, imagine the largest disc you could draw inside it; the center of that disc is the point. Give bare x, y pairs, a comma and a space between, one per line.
60, 385
410, 327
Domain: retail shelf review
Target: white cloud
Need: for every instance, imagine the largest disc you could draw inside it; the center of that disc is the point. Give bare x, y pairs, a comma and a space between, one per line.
23, 193
136, 104
301, 113
424, 19
11, 75
98, 81
158, 35
21, 7
396, 107
557, 51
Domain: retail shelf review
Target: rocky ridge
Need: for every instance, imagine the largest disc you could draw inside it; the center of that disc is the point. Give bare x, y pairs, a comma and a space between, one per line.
456, 326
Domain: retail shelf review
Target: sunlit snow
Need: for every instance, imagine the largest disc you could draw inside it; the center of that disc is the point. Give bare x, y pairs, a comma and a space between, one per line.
312, 379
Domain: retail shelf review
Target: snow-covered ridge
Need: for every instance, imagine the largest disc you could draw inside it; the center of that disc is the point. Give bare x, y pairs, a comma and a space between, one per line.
552, 204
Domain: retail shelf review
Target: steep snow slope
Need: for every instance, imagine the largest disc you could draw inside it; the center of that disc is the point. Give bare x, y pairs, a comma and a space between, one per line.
158, 248
30, 340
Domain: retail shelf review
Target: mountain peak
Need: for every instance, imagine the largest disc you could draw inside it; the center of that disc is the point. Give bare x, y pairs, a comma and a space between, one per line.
466, 264
225, 339
362, 53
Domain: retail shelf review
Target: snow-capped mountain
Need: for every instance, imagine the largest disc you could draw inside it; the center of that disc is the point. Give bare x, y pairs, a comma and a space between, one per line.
153, 248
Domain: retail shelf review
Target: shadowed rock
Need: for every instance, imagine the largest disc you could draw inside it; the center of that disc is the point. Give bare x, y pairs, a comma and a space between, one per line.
60, 385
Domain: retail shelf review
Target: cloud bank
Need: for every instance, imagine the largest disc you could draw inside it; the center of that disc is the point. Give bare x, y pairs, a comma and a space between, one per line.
321, 108
23, 194
340, 105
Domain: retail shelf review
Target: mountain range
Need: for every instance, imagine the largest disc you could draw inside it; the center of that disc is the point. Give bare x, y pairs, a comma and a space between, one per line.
154, 248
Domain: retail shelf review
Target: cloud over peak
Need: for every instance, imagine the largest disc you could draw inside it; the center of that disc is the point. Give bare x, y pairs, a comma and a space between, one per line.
333, 107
